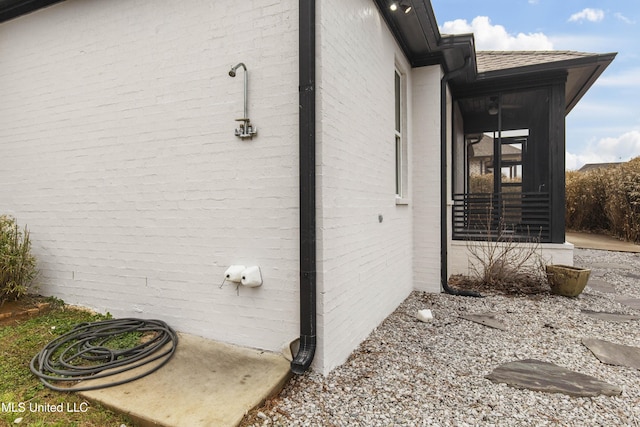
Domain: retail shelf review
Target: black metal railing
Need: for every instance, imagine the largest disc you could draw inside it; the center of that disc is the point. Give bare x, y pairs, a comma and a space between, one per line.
492, 216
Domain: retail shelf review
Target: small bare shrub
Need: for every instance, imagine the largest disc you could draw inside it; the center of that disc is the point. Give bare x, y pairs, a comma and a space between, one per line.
507, 260
17, 264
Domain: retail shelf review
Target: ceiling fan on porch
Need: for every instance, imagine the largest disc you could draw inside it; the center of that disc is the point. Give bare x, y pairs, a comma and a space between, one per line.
493, 106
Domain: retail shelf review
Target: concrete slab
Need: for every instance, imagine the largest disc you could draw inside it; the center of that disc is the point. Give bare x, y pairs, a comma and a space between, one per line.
614, 354
206, 383
543, 376
600, 241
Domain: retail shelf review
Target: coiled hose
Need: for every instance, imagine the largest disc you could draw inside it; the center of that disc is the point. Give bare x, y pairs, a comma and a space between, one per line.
83, 354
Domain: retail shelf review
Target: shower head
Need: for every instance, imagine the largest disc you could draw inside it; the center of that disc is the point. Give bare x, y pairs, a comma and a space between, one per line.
232, 72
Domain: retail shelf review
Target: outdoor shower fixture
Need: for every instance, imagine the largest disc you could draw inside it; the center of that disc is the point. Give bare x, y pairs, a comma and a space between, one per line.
245, 130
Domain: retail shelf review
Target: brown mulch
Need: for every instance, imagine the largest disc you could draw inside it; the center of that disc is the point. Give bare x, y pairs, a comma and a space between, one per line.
523, 287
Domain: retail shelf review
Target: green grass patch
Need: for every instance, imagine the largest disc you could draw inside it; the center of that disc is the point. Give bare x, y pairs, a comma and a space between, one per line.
22, 395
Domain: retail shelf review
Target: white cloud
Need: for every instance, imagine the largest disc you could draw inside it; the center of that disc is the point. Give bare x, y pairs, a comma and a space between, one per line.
534, 1
588, 14
623, 18
576, 161
495, 37
587, 43
612, 149
629, 78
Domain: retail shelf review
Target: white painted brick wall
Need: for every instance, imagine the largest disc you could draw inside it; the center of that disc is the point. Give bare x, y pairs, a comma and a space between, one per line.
117, 150
460, 251
366, 266
426, 178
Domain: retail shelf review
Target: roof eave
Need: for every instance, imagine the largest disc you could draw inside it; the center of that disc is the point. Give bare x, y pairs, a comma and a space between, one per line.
595, 59
418, 36
10, 9
416, 32
598, 63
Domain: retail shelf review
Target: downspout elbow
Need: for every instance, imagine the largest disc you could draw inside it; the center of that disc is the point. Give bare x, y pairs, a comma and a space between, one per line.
304, 357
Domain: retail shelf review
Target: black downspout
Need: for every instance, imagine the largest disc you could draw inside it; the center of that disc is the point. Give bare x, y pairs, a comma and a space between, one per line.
444, 274
307, 147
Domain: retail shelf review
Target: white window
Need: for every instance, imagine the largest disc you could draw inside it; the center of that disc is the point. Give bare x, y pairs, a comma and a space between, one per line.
400, 136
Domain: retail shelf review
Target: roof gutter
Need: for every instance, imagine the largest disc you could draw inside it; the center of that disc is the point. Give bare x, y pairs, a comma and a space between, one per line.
444, 274
307, 165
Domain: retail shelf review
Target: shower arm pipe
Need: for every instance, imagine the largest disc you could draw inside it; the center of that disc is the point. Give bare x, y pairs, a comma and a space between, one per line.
246, 83
232, 73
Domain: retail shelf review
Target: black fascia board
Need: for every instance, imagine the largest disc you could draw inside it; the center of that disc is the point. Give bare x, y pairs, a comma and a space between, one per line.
522, 81
10, 9
428, 23
435, 58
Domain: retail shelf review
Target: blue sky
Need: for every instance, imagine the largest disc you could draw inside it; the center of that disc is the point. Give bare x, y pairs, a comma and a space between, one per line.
605, 125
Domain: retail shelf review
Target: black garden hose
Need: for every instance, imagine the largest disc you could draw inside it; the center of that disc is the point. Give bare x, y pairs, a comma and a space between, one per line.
81, 354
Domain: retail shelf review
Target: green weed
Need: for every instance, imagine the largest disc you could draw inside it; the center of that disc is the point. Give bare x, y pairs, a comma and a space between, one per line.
18, 344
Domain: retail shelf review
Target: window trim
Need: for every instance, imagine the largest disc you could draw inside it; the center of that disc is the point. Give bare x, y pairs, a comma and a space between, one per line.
400, 137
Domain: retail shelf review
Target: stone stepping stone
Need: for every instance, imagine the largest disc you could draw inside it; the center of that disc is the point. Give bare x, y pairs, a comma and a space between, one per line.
487, 319
614, 354
609, 317
631, 275
601, 286
628, 301
611, 266
537, 375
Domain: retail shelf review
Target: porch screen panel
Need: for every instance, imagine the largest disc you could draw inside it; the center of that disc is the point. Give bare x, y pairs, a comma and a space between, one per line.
506, 167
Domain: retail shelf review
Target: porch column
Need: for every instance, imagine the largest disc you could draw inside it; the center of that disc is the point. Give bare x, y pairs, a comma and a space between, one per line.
557, 161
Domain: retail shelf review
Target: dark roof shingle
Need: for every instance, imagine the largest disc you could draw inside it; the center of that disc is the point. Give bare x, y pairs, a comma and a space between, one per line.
501, 60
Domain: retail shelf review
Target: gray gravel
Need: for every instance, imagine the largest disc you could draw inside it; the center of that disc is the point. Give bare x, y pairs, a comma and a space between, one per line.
410, 373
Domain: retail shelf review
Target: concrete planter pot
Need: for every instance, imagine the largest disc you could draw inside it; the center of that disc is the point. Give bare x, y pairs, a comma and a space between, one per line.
566, 280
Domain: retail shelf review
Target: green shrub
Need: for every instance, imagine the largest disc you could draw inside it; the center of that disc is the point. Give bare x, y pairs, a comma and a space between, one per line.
17, 264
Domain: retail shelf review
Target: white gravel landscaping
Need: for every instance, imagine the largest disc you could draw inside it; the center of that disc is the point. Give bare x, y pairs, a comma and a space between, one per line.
414, 373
